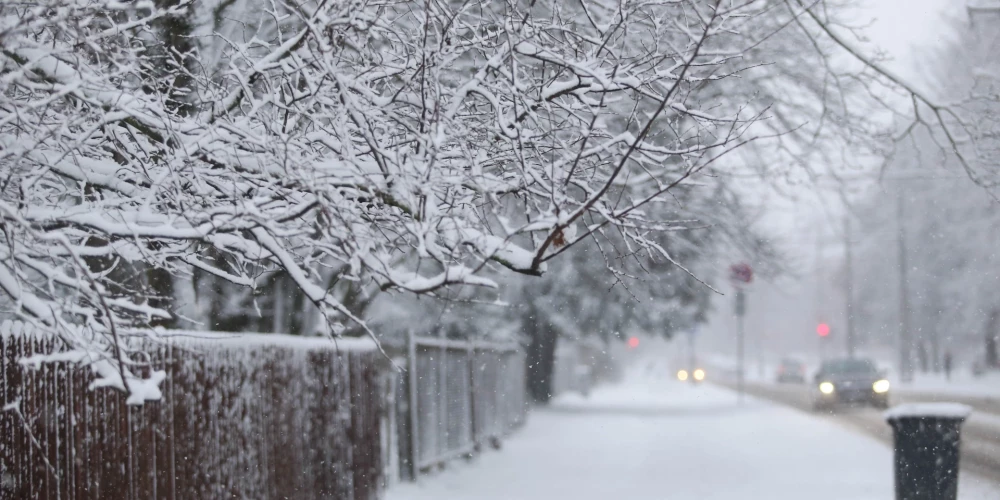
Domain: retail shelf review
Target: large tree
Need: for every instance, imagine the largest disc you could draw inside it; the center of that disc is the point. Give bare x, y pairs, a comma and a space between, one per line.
339, 145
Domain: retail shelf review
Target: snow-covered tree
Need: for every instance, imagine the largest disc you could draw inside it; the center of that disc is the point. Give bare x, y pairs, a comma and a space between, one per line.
406, 146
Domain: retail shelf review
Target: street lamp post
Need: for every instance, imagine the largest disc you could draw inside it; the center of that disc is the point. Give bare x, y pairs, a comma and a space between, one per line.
740, 340
905, 361
740, 275
849, 283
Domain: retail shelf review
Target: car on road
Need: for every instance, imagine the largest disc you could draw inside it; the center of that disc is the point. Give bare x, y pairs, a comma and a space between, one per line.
791, 371
689, 369
695, 375
850, 381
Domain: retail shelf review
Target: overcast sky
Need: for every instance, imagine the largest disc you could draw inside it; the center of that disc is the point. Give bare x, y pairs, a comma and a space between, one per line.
903, 26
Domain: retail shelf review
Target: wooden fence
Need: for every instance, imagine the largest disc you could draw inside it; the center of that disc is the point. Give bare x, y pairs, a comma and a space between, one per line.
254, 416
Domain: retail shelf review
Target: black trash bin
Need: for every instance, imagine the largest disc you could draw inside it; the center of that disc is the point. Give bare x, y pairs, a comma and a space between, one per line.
927, 437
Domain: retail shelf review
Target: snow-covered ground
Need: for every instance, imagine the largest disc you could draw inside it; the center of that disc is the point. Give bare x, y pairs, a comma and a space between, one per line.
962, 382
651, 437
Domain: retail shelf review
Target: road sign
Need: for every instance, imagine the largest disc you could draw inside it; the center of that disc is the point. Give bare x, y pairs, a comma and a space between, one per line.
740, 274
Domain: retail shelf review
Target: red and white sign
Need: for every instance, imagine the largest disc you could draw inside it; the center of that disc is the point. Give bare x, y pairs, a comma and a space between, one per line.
740, 274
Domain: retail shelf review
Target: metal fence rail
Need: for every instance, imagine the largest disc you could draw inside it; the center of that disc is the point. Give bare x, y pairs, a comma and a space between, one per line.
461, 395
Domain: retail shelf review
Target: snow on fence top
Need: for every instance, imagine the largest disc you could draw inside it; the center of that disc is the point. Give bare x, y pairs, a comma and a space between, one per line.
17, 328
277, 339
928, 410
141, 389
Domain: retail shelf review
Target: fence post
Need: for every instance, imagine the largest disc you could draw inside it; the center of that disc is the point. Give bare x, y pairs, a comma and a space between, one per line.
470, 353
411, 366
389, 427
444, 420
520, 381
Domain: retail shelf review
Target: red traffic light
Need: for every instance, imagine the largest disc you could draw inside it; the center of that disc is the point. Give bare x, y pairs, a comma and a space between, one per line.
823, 329
633, 342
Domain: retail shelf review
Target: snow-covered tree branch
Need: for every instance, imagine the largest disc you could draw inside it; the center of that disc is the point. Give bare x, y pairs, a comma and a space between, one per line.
956, 110
409, 146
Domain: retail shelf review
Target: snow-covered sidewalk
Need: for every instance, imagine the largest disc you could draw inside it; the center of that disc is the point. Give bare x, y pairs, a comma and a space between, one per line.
653, 438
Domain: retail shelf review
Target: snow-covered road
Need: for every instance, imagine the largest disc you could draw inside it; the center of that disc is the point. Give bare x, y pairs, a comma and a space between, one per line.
653, 438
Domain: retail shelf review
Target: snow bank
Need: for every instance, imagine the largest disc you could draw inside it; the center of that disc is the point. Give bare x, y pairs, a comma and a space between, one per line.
929, 410
962, 383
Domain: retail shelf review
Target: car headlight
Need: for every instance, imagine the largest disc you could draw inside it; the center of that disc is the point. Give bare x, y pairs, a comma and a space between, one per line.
699, 374
826, 388
881, 386
682, 375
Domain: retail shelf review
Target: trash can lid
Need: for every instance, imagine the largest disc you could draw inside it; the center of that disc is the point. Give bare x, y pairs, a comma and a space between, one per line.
954, 411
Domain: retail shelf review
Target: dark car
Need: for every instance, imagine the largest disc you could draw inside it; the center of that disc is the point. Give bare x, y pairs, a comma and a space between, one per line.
850, 381
791, 371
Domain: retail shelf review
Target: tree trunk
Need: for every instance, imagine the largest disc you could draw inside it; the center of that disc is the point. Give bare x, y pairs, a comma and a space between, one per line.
161, 295
935, 353
991, 357
540, 359
922, 356
278, 312
177, 51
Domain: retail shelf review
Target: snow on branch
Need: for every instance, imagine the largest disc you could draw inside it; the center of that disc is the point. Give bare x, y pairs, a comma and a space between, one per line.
960, 115
414, 149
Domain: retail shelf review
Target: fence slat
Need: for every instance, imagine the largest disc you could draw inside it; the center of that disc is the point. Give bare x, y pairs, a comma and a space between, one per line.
253, 419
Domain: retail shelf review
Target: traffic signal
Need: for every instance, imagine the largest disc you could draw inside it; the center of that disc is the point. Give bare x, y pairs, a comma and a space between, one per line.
823, 329
633, 342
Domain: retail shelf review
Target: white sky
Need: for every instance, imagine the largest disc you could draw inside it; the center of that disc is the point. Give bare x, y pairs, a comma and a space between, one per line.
901, 27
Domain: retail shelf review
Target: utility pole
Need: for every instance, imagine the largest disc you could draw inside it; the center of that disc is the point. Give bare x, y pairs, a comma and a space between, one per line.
761, 337
692, 357
905, 366
740, 275
740, 336
849, 282
817, 298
